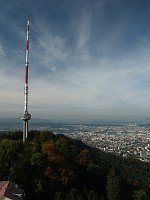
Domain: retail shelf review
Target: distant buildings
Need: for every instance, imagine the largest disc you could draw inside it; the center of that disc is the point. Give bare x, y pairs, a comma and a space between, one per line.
10, 191
124, 140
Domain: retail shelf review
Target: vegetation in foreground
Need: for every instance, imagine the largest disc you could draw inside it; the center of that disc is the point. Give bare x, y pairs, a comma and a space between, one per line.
56, 167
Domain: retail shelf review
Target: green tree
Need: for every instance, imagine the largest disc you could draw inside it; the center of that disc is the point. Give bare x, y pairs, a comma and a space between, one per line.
92, 196
113, 186
73, 195
140, 195
58, 196
102, 197
9, 153
29, 170
95, 177
84, 157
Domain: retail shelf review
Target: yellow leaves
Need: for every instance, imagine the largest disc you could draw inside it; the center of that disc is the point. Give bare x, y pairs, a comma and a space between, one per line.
48, 171
50, 149
61, 175
66, 176
56, 168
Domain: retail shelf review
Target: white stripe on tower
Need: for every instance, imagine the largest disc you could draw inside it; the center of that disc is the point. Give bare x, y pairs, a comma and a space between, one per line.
26, 116
26, 65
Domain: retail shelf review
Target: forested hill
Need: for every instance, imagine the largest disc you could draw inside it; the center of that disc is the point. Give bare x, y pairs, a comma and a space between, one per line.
56, 167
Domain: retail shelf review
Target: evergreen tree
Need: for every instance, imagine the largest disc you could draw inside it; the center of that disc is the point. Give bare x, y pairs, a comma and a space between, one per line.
92, 196
58, 196
73, 195
113, 186
102, 197
140, 195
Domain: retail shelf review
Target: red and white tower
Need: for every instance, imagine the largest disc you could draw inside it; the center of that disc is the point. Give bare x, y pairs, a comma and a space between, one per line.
26, 116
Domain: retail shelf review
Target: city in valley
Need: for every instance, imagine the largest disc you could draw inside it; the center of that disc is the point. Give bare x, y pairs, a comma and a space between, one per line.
127, 140
124, 139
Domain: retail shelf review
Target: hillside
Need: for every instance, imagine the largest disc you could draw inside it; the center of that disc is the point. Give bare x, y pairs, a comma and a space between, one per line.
56, 167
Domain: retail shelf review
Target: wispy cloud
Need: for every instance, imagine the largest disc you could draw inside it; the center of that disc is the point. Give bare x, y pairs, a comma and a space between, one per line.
96, 66
2, 53
79, 79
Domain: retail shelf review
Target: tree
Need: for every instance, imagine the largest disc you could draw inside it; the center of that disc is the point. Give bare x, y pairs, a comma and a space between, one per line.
58, 196
57, 169
9, 154
84, 157
102, 197
73, 195
113, 186
92, 196
95, 177
140, 195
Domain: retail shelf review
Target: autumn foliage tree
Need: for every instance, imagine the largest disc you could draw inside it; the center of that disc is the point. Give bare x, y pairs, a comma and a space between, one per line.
55, 167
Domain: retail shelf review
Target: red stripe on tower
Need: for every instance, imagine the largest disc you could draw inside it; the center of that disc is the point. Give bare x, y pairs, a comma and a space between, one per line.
27, 45
26, 78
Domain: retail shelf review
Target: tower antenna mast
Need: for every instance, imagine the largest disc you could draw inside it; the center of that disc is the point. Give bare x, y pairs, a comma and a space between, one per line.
26, 116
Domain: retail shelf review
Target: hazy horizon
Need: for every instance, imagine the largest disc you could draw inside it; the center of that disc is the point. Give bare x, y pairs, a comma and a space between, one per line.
76, 121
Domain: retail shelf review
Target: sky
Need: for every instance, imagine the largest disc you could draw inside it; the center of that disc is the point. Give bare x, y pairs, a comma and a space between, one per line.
88, 59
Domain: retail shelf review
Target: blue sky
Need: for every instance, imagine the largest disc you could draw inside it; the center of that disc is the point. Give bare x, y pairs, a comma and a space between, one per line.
89, 59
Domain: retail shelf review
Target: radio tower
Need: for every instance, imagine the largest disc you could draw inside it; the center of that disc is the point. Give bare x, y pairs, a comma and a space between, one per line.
26, 116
